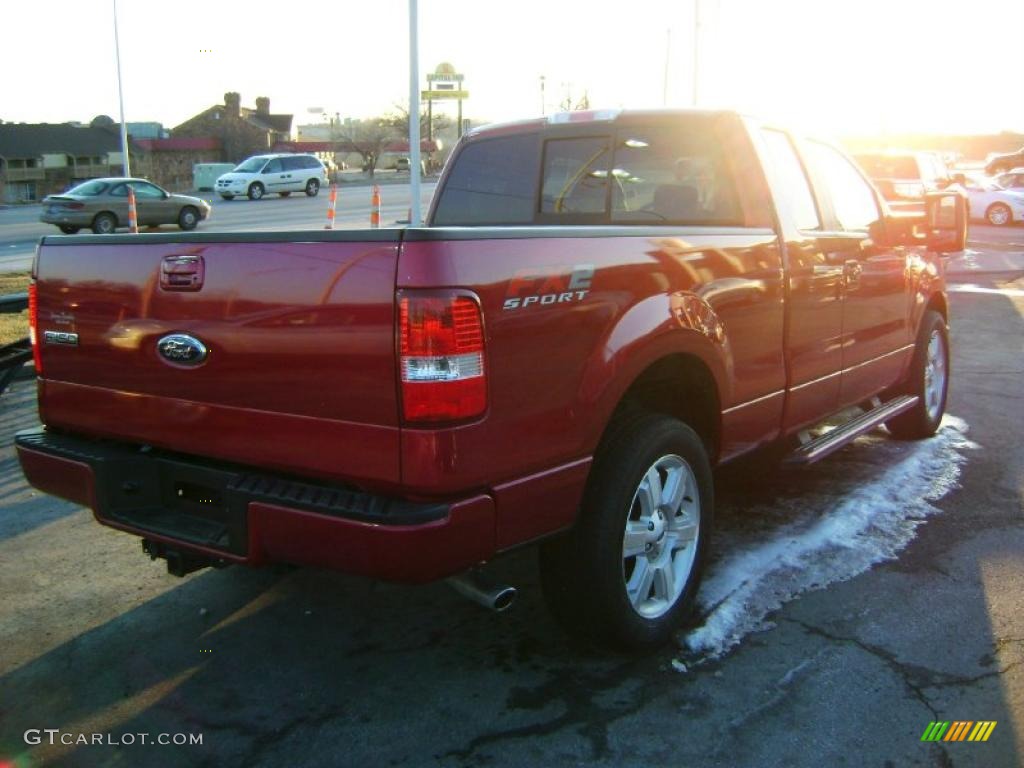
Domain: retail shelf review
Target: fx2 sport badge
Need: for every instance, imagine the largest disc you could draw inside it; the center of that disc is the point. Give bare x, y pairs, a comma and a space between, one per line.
544, 286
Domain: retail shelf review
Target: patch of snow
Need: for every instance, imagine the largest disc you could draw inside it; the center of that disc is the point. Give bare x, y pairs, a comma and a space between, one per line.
828, 538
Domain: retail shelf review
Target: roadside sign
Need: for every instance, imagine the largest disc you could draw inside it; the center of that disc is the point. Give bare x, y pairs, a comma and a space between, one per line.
444, 77
441, 95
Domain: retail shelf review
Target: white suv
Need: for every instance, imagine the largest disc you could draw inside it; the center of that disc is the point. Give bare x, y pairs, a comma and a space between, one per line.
280, 174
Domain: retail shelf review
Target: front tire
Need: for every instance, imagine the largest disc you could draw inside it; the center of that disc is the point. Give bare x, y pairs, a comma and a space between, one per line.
284, 194
627, 574
67, 229
929, 380
256, 191
104, 224
312, 188
228, 197
188, 218
999, 215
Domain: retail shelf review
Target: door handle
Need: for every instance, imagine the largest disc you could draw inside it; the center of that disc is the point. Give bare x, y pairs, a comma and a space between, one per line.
182, 273
852, 270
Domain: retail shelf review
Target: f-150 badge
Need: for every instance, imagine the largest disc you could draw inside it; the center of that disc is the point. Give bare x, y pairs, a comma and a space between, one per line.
544, 286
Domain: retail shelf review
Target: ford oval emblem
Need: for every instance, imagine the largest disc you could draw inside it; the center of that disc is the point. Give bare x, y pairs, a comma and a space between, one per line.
182, 349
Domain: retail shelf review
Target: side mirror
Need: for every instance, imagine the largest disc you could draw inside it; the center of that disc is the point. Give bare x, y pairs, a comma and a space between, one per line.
946, 221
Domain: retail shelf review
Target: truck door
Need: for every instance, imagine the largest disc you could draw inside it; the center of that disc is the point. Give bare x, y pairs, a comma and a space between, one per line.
876, 339
815, 319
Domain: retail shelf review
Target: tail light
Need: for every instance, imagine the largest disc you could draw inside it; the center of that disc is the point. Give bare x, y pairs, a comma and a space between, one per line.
33, 327
442, 358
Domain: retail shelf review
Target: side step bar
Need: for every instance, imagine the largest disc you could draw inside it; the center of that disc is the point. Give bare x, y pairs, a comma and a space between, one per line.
820, 447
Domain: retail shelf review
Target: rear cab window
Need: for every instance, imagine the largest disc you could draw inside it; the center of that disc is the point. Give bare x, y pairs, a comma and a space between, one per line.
493, 183
686, 169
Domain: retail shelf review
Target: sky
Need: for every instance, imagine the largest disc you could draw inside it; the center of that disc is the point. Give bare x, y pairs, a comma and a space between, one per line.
834, 67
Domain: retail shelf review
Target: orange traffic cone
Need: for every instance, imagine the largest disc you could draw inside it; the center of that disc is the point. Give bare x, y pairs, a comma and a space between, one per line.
133, 221
375, 208
332, 202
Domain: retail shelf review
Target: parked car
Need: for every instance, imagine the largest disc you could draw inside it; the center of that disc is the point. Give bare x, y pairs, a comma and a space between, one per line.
599, 310
1004, 162
1011, 180
273, 174
102, 205
404, 164
905, 177
990, 201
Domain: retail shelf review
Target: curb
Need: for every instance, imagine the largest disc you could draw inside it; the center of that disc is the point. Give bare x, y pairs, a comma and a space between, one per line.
1011, 247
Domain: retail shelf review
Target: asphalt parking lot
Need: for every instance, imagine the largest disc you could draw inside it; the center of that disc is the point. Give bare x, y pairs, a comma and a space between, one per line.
848, 606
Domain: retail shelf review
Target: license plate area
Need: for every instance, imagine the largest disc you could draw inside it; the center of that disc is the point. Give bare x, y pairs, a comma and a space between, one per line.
175, 499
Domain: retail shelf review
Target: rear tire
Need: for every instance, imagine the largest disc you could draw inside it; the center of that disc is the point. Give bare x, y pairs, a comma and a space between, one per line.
284, 194
256, 191
104, 224
627, 574
67, 229
312, 188
929, 380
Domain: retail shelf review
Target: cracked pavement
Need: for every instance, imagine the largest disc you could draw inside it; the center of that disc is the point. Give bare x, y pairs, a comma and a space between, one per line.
304, 667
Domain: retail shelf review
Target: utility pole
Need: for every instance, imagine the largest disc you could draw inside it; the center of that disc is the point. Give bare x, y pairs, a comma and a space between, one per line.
120, 96
414, 115
664, 82
696, 51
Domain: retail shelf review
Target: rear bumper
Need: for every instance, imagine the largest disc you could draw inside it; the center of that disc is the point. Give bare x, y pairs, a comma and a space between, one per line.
73, 218
234, 514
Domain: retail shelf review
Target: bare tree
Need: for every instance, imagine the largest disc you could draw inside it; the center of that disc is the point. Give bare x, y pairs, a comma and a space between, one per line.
399, 120
367, 138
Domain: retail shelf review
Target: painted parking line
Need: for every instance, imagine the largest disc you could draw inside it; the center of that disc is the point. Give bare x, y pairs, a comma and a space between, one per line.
1015, 293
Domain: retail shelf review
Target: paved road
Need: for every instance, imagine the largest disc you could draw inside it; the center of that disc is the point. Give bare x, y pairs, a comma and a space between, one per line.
847, 607
20, 228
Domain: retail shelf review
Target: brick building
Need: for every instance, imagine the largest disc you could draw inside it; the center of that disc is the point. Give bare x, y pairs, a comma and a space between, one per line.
168, 162
239, 130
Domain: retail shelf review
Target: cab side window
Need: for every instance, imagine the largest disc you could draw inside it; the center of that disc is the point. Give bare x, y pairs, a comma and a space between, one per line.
853, 200
274, 166
792, 180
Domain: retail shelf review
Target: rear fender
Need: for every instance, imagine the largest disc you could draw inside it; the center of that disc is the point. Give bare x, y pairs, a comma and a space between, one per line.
657, 327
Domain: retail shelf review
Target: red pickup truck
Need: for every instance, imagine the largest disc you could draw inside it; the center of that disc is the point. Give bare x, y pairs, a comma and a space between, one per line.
603, 306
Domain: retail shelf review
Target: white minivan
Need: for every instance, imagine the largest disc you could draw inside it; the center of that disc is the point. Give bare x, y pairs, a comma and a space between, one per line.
279, 174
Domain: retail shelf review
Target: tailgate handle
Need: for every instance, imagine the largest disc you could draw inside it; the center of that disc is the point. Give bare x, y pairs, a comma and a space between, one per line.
182, 273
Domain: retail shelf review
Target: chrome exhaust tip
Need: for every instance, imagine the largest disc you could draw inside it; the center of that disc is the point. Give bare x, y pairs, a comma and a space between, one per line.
481, 590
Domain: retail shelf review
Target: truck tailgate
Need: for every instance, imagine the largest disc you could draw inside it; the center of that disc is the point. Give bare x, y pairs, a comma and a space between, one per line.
300, 367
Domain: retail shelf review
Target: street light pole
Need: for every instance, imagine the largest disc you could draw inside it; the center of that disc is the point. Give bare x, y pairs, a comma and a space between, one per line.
120, 97
414, 115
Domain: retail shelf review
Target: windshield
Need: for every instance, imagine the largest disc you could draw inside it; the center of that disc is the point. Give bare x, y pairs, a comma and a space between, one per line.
252, 165
889, 166
89, 188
